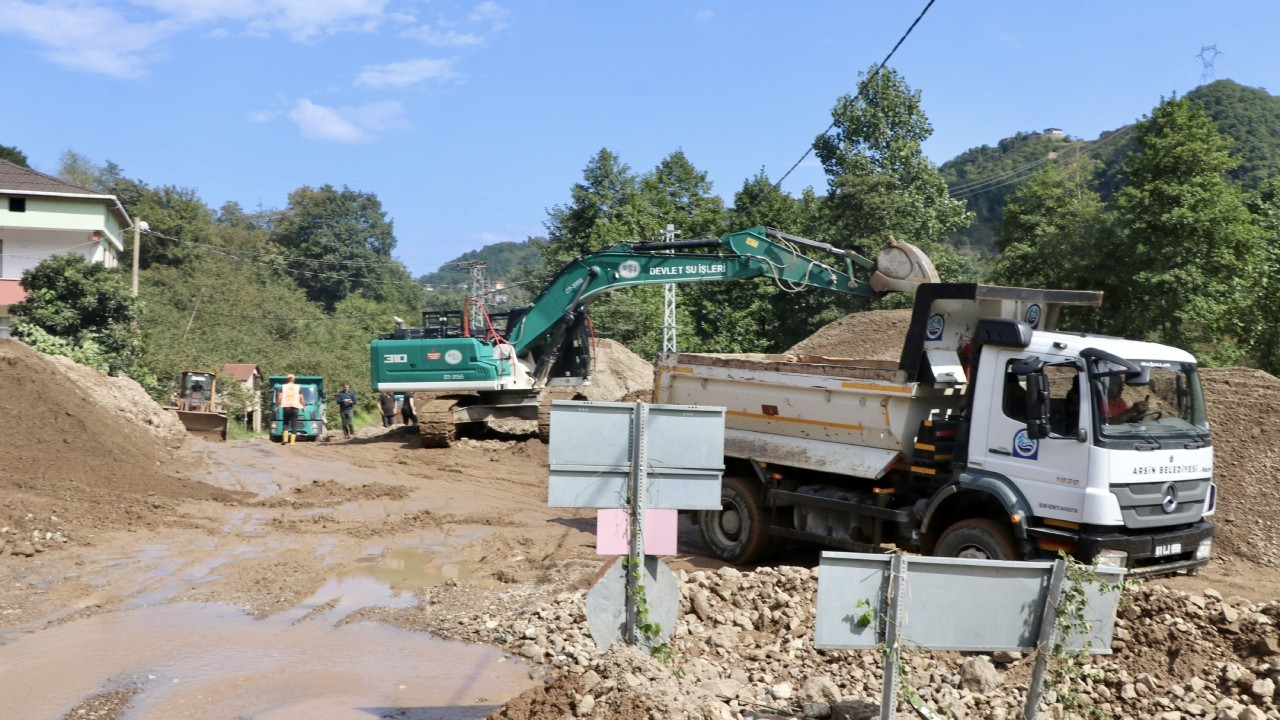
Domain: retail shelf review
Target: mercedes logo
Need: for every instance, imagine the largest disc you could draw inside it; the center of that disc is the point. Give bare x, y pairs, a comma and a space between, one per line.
1169, 497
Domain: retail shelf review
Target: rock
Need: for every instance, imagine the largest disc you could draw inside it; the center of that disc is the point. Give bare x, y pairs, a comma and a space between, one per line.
24, 549
1263, 689
584, 706
819, 688
977, 674
819, 709
1251, 713
701, 603
721, 688
1005, 657
1228, 615
783, 691
853, 709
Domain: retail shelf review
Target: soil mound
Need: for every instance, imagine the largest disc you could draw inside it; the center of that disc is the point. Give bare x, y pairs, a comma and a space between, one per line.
78, 459
619, 373
1242, 419
870, 335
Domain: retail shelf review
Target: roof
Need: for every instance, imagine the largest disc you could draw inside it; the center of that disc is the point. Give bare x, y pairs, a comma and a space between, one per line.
18, 180
241, 371
15, 178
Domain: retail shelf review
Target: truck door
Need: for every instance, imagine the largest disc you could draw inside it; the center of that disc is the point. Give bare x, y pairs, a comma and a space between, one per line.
1051, 472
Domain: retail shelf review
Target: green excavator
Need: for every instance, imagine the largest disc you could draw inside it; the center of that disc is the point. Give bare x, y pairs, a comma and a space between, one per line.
484, 367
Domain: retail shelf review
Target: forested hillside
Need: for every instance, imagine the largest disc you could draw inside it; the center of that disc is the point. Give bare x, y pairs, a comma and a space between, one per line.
984, 177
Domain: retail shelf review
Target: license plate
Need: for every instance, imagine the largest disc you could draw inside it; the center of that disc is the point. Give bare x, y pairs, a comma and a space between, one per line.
1169, 549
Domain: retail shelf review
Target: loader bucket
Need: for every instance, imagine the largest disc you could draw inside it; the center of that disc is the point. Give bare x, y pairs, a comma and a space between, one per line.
902, 267
207, 425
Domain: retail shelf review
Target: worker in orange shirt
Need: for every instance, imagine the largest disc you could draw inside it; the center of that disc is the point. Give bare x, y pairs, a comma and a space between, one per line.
290, 403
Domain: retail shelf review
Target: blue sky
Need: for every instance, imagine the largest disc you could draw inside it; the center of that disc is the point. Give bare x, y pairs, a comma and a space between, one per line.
469, 120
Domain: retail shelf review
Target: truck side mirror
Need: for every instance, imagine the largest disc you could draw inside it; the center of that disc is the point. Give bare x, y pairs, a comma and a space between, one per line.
1037, 405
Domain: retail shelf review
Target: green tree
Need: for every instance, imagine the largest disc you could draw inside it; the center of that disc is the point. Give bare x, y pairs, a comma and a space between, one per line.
1054, 231
14, 155
339, 243
879, 181
86, 305
1187, 264
1264, 329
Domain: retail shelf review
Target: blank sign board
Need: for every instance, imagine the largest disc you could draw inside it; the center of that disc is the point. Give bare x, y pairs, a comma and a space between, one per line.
949, 603
590, 455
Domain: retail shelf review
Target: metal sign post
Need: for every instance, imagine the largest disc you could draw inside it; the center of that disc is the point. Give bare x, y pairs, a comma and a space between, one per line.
635, 456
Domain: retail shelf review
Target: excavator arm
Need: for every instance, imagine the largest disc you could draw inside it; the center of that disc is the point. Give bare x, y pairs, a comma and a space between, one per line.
742, 255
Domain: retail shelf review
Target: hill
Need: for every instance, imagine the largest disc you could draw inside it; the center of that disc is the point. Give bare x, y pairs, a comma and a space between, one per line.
985, 176
506, 260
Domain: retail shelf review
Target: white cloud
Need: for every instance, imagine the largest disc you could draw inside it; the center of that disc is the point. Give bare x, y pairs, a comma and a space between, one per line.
347, 124
1010, 41
301, 20
442, 38
704, 16
408, 72
88, 38
492, 13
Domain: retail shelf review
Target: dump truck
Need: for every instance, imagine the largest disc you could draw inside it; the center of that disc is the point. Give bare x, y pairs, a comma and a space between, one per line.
993, 436
483, 366
311, 418
195, 401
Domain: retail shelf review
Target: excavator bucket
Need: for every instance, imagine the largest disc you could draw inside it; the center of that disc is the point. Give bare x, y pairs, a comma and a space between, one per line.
902, 267
208, 425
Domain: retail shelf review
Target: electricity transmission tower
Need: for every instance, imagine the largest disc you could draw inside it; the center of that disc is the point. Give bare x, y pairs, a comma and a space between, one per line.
1208, 53
669, 304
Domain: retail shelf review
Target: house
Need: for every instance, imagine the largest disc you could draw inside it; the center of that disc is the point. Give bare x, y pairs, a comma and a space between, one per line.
251, 378
42, 216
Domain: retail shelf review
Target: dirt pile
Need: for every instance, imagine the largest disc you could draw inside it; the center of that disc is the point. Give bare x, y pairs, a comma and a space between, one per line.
1242, 419
744, 645
870, 335
619, 374
75, 464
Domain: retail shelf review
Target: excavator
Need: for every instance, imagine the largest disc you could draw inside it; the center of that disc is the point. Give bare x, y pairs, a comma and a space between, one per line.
197, 405
484, 367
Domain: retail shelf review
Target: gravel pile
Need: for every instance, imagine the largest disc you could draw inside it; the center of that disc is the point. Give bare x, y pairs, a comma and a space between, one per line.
743, 648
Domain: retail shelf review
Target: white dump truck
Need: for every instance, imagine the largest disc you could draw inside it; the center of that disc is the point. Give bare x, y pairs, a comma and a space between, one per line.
993, 436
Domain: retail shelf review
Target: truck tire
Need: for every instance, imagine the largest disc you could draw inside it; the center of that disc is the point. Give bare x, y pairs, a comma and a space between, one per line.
977, 538
738, 532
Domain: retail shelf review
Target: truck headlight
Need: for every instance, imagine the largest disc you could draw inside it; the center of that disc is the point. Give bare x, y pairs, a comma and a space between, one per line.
1203, 549
1111, 558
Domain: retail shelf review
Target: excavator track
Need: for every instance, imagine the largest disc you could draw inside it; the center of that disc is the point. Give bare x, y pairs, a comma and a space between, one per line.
435, 421
544, 411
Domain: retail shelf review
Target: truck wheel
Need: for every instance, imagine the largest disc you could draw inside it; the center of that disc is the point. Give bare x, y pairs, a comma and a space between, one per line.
977, 538
738, 532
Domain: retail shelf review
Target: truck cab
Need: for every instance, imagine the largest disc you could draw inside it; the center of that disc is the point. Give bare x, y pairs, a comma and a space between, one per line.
1100, 445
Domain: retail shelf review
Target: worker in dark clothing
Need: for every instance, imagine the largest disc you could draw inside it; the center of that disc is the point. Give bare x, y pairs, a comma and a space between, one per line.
347, 409
387, 404
407, 411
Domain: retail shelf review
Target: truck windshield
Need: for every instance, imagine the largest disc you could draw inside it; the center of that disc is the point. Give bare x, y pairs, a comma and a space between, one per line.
1170, 406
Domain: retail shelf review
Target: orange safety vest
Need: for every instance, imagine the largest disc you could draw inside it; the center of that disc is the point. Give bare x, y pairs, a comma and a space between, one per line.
290, 396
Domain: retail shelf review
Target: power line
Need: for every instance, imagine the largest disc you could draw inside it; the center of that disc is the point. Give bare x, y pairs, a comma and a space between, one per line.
861, 87
283, 256
1024, 172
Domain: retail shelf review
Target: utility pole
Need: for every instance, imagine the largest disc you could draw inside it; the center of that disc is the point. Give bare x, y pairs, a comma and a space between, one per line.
669, 303
137, 241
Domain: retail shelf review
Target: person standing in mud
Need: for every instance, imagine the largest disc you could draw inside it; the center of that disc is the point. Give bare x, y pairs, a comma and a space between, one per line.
347, 409
290, 406
387, 405
407, 411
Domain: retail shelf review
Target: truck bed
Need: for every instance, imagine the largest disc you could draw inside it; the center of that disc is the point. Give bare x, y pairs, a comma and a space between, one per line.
841, 415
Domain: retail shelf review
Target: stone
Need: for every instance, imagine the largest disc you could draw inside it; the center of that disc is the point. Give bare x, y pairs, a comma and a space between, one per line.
977, 674
819, 688
701, 603
781, 691
1263, 689
1005, 657
584, 706
854, 709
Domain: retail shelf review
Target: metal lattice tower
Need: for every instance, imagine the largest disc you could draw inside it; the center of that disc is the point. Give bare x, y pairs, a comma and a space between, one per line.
479, 283
1208, 53
669, 304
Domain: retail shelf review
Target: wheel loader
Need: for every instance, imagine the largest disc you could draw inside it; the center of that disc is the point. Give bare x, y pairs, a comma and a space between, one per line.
198, 406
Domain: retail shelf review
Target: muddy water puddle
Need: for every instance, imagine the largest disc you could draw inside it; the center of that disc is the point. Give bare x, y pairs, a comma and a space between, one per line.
212, 661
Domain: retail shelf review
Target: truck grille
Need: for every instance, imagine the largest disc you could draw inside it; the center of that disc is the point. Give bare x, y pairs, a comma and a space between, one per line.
1157, 504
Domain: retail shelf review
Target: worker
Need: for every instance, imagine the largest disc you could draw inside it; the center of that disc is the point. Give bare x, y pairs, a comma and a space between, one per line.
347, 408
290, 404
408, 412
1117, 410
387, 404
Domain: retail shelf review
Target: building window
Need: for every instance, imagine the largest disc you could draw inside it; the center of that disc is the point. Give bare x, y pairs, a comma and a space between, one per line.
17, 204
